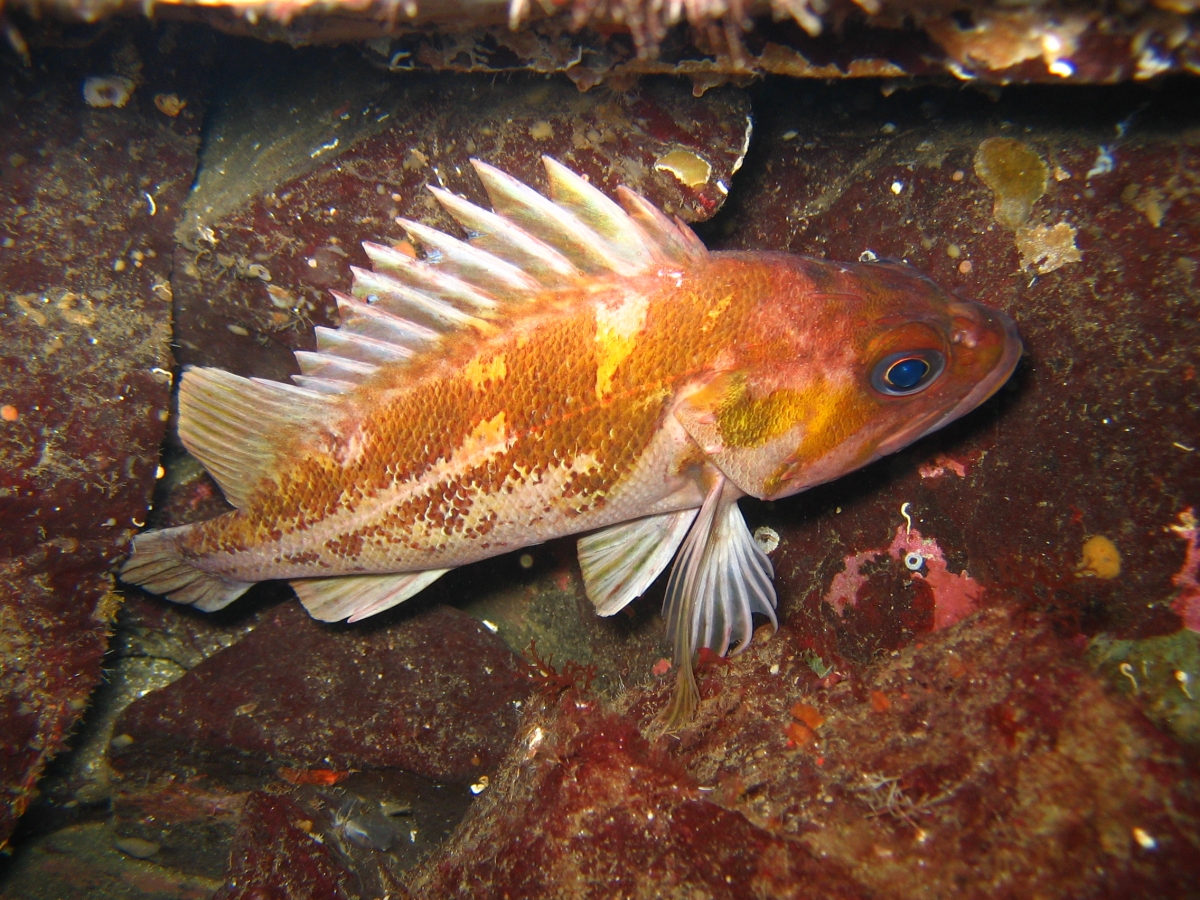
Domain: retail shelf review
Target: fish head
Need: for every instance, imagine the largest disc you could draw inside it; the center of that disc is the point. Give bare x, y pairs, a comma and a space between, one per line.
853, 362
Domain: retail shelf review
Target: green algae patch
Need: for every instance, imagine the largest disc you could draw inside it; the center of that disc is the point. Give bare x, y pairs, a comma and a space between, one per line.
1160, 674
1016, 175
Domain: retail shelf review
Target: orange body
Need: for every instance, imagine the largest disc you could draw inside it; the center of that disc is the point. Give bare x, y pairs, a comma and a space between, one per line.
574, 367
556, 425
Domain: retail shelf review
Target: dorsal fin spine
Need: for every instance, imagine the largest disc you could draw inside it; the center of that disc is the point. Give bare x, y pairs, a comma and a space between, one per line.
350, 345
552, 223
337, 368
422, 277
675, 240
323, 386
392, 293
473, 264
498, 236
380, 324
599, 213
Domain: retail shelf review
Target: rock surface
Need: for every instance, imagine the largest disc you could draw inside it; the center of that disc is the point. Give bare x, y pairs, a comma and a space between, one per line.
985, 761
435, 696
977, 632
90, 195
272, 847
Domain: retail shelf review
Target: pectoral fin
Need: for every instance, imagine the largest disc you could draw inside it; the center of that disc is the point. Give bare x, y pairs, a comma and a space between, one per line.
719, 581
355, 597
621, 562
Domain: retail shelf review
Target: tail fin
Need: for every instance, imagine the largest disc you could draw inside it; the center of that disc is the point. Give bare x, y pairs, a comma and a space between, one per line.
157, 566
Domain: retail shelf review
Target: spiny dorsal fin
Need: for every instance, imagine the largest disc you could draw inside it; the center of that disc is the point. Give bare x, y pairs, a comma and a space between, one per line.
430, 278
233, 424
600, 214
558, 225
527, 245
498, 236
671, 237
472, 264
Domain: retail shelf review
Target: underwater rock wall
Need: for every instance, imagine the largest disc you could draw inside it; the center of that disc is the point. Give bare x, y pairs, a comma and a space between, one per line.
90, 198
984, 681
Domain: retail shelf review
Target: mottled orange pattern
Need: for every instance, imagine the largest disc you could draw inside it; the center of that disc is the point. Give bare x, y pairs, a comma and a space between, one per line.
579, 366
773, 341
536, 378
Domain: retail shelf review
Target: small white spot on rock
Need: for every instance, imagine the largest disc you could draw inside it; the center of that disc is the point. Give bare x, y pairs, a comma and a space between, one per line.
107, 90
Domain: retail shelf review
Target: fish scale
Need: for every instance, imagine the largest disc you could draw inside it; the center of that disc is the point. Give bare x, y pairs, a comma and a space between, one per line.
578, 366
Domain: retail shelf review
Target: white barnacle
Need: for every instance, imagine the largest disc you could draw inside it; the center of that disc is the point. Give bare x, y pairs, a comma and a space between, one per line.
767, 538
107, 90
913, 561
534, 742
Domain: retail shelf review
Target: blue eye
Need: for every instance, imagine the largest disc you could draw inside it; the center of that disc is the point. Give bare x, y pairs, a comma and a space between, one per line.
901, 374
906, 374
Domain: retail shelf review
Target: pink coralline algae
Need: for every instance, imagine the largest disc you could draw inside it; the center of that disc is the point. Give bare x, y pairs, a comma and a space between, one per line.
955, 596
940, 465
843, 591
1187, 604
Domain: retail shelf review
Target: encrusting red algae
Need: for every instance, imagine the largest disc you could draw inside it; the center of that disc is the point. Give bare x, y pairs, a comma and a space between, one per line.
575, 366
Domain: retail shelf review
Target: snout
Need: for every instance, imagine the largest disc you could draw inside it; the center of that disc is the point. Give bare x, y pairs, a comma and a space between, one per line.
986, 339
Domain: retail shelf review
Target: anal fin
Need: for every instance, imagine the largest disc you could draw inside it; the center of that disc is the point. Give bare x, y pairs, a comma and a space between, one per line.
355, 597
622, 561
719, 581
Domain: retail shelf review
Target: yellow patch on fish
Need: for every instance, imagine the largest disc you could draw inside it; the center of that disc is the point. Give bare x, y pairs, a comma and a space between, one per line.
488, 436
480, 373
746, 421
824, 412
617, 328
715, 313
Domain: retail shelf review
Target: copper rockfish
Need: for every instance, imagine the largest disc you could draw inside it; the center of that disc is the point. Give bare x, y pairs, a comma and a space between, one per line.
577, 365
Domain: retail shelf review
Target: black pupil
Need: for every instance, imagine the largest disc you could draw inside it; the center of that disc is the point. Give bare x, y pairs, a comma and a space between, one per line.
906, 374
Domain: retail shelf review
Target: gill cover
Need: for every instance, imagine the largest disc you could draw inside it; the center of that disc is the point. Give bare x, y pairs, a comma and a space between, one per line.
749, 436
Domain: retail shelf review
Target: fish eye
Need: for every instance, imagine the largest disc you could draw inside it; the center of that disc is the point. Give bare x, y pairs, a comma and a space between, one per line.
906, 373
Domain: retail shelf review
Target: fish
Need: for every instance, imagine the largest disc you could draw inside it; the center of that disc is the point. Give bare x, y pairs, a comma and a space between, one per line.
575, 365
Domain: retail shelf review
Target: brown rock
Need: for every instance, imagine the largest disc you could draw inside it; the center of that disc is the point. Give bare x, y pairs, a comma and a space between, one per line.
90, 195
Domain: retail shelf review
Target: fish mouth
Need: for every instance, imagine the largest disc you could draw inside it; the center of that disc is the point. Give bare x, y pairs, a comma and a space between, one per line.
995, 322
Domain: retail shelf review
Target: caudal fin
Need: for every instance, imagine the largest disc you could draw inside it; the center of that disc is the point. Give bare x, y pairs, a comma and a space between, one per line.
157, 566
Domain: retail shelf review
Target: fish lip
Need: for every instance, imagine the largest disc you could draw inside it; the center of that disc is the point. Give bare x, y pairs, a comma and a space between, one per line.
987, 386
